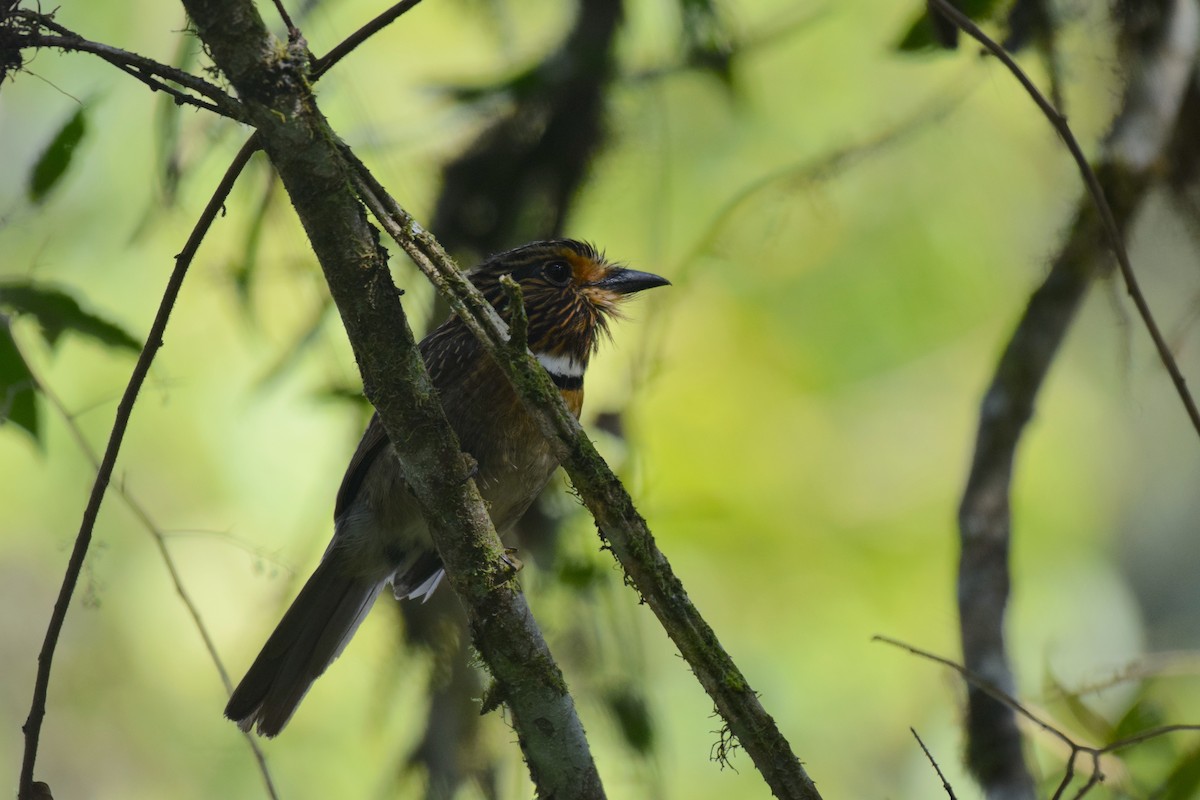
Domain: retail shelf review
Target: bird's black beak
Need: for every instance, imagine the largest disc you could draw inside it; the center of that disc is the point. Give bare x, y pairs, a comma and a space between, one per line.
628, 281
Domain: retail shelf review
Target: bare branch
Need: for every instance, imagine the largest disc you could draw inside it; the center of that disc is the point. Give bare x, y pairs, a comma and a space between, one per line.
1138, 738
181, 99
1008, 701
1068, 776
945, 783
37, 711
160, 542
293, 31
1178, 36
1114, 192
29, 25
1092, 780
347, 45
981, 682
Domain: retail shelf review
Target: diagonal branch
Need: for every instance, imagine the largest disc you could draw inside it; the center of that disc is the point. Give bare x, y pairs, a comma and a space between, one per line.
1149, 140
37, 711
933, 762
274, 91
347, 45
993, 741
1115, 190
981, 682
160, 542
621, 526
272, 82
25, 29
181, 98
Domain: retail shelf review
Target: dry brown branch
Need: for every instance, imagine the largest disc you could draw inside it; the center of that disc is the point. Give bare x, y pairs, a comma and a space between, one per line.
154, 340
1115, 190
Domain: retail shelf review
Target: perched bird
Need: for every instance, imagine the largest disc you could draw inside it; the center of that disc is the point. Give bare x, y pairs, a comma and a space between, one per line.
570, 293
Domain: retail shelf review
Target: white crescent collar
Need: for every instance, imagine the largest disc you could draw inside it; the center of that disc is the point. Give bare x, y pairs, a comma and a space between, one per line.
560, 366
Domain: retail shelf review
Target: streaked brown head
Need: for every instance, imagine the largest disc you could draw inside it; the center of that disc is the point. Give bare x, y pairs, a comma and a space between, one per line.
570, 292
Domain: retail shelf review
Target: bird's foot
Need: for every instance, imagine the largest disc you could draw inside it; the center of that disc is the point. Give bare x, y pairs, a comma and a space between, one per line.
511, 562
472, 466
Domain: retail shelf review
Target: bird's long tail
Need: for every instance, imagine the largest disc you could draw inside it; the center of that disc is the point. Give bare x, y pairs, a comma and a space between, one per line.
313, 632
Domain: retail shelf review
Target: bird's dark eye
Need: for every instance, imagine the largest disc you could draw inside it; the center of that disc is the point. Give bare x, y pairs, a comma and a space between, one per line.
558, 273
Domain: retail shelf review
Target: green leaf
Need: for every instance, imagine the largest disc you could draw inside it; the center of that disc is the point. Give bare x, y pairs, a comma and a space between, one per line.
928, 31
343, 394
246, 266
580, 573
922, 34
1141, 716
707, 38
55, 159
56, 311
633, 717
1184, 781
17, 403
168, 118
1092, 722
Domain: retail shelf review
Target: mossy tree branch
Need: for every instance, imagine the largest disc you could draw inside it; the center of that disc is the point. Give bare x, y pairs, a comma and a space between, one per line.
619, 523
271, 80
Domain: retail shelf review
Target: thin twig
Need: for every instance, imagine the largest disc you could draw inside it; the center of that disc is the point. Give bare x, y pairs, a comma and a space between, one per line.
518, 326
37, 711
139, 66
343, 49
827, 166
945, 783
1142, 736
160, 541
1092, 780
1094, 753
1115, 239
158, 86
981, 683
1150, 665
1068, 776
293, 31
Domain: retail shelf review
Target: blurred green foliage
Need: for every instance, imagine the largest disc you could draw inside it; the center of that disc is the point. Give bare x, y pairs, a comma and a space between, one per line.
56, 158
930, 29
55, 312
17, 385
799, 407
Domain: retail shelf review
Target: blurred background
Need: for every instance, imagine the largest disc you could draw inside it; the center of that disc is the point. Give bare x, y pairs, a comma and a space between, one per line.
852, 231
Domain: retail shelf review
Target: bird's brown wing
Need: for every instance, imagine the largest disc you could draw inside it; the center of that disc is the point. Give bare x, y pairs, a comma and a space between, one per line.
373, 441
439, 349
